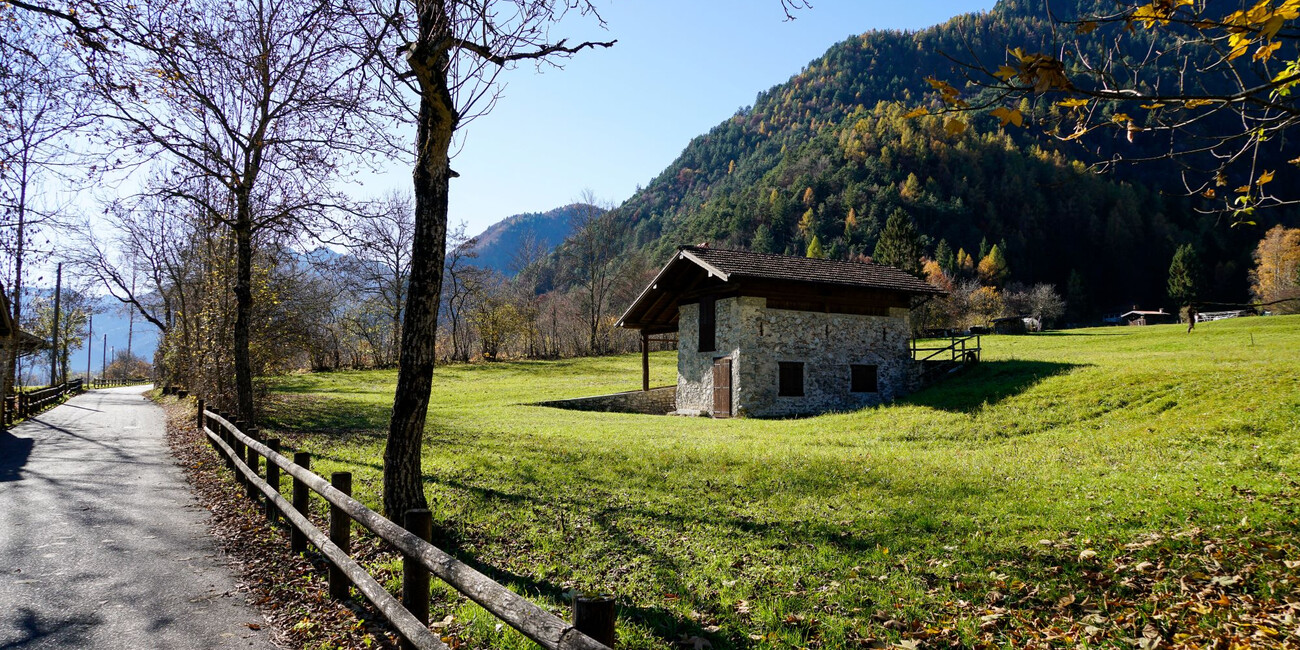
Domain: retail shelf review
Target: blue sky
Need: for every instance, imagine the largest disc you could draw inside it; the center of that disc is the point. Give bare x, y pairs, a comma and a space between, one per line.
613, 119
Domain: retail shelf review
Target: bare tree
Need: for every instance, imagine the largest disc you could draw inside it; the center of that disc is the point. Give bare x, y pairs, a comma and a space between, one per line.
381, 243
262, 99
591, 257
40, 111
464, 284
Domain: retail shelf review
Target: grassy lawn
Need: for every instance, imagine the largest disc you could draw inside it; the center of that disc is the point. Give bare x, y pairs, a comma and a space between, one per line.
994, 508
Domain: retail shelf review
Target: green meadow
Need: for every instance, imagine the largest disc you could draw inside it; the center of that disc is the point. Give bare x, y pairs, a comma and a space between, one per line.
1002, 492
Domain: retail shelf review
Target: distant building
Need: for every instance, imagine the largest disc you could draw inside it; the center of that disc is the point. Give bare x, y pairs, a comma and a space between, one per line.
1142, 317
770, 335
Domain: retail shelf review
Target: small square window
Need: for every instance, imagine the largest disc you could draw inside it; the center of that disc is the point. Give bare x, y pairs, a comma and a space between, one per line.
790, 379
863, 378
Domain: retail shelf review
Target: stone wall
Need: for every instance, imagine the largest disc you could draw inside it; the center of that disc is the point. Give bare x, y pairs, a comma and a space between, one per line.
695, 368
656, 401
757, 338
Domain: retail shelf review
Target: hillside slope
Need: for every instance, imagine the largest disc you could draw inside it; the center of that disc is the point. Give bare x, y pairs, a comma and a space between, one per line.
498, 245
828, 154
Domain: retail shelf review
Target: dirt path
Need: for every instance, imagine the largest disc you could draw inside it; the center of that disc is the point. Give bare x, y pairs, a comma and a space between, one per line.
102, 544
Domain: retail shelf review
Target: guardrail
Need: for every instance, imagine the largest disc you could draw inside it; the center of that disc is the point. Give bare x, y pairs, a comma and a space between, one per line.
591, 629
23, 405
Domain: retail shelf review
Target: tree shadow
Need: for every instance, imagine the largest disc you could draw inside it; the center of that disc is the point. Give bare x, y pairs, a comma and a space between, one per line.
14, 452
987, 383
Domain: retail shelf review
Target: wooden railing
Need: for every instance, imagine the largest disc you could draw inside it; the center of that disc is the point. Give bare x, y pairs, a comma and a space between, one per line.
593, 617
958, 348
109, 383
24, 405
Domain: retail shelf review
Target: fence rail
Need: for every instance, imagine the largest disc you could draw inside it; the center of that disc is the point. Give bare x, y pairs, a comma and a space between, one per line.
959, 348
23, 405
108, 383
593, 617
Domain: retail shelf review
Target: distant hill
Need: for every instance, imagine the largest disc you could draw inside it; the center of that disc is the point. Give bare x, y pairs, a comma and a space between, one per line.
498, 244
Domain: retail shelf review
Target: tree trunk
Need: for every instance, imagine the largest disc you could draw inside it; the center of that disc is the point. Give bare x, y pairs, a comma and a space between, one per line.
403, 485
243, 308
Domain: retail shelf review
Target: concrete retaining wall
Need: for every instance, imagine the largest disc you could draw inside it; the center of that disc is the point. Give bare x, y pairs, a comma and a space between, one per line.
656, 401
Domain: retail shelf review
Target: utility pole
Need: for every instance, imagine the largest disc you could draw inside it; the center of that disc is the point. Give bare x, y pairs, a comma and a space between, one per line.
54, 334
90, 344
103, 353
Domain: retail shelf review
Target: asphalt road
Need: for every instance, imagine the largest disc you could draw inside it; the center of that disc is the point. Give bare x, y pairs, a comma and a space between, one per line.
102, 544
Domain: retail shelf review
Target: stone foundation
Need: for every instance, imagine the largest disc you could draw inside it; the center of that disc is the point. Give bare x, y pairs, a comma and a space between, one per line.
656, 401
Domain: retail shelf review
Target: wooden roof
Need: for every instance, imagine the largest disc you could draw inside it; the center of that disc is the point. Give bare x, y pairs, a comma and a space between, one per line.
26, 342
698, 270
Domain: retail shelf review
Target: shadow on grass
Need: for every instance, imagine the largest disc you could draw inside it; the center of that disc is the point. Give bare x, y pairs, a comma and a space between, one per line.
987, 383
327, 416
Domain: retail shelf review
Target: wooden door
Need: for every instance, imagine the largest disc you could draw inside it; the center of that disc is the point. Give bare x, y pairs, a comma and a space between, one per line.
722, 388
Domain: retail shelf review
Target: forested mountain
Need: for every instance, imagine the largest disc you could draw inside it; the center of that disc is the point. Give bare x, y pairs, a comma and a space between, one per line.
829, 154
498, 246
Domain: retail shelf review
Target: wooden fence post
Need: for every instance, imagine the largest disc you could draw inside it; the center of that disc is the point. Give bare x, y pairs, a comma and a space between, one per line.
273, 478
594, 617
415, 577
297, 540
340, 534
198, 419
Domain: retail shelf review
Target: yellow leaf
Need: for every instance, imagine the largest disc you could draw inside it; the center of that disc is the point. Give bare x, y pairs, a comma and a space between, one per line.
1018, 53
954, 127
1086, 27
1152, 107
1270, 28
1243, 189
1006, 72
1266, 177
1295, 161
916, 112
1008, 116
1072, 103
1120, 118
1265, 52
1208, 193
1196, 103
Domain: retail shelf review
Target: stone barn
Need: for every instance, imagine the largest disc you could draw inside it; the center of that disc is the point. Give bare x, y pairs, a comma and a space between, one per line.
771, 335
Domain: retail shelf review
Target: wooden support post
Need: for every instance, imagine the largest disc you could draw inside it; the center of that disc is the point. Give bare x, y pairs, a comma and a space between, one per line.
645, 361
594, 617
415, 577
199, 419
273, 478
297, 540
341, 535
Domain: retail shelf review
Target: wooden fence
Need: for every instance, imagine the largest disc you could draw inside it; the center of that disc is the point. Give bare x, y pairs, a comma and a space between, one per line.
23, 405
593, 618
109, 383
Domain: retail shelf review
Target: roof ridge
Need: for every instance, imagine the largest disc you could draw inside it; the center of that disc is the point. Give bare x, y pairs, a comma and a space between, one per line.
693, 247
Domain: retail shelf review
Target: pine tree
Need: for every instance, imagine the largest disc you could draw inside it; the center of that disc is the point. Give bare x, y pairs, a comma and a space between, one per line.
993, 267
984, 248
900, 244
944, 256
1076, 296
815, 249
1184, 275
763, 241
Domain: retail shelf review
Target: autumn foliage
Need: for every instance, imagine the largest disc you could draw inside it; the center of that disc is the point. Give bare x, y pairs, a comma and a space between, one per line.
1276, 276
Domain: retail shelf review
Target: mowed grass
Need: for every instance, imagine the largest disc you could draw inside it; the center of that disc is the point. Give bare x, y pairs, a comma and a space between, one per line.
834, 531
